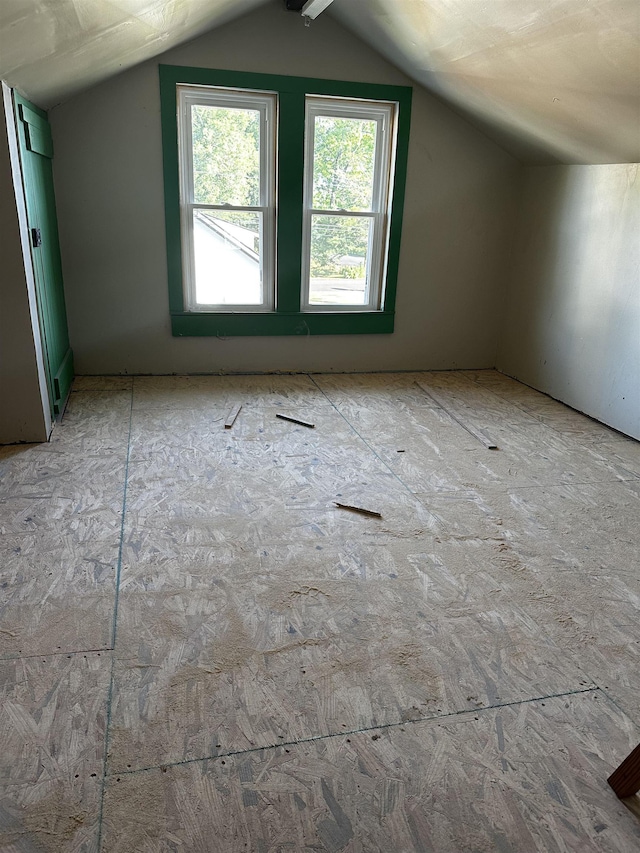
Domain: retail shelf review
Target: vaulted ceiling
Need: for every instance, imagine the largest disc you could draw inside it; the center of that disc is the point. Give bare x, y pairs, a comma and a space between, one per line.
550, 80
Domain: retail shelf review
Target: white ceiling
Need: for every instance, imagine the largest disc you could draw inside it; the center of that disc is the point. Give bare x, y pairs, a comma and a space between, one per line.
551, 80
558, 79
52, 49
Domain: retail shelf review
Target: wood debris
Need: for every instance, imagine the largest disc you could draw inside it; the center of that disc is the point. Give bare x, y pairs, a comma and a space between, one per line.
359, 509
295, 420
233, 414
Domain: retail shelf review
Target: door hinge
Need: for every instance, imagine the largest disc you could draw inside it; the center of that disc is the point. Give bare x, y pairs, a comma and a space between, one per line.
36, 238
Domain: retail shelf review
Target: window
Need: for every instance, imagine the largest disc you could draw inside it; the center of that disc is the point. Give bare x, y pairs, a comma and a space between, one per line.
347, 176
226, 149
283, 202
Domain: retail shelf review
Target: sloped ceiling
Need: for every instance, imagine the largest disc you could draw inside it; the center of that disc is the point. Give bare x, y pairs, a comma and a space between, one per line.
52, 49
553, 80
550, 80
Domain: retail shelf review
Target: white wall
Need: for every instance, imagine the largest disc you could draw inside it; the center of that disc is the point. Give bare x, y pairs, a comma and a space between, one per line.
108, 171
573, 321
24, 406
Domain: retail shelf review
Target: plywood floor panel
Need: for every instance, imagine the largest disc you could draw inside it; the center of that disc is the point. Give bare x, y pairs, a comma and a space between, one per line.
53, 715
52, 719
50, 816
569, 556
103, 383
519, 778
439, 455
622, 449
74, 586
258, 439
273, 506
60, 520
314, 644
94, 422
545, 409
361, 387
193, 392
250, 667
575, 525
32, 471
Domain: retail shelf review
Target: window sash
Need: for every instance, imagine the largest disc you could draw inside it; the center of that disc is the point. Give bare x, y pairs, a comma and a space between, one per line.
384, 114
265, 103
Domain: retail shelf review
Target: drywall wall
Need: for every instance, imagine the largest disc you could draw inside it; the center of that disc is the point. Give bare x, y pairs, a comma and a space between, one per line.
24, 406
108, 170
573, 320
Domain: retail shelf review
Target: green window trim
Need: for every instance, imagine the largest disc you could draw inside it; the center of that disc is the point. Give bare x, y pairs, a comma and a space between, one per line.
286, 319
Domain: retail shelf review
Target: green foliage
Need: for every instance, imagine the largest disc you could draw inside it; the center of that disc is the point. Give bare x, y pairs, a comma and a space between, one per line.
343, 167
344, 150
336, 241
226, 164
226, 155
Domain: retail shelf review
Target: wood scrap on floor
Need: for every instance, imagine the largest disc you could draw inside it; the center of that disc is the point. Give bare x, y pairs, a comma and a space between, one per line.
295, 420
476, 433
231, 417
359, 509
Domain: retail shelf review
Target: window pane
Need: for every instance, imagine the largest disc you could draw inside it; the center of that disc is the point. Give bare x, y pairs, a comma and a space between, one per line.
343, 163
227, 257
339, 256
226, 155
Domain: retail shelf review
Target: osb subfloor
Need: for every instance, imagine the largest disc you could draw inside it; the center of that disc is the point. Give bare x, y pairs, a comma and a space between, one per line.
202, 653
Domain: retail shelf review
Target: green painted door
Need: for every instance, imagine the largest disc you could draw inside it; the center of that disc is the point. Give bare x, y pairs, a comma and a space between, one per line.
36, 152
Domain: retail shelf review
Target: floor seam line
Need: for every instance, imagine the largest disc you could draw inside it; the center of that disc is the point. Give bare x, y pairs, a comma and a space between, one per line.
607, 695
114, 626
362, 438
377, 456
68, 652
363, 730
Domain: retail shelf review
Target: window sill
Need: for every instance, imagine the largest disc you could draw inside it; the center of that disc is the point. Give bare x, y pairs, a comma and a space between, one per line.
281, 323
